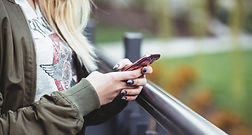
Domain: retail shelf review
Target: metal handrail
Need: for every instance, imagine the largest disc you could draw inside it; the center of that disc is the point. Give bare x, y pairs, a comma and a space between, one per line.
170, 113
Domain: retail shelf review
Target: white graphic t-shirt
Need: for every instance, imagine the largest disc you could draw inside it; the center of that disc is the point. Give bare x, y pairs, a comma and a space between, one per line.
55, 69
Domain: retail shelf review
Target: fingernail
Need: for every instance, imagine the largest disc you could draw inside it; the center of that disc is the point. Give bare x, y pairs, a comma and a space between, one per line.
124, 98
130, 82
116, 66
144, 70
124, 92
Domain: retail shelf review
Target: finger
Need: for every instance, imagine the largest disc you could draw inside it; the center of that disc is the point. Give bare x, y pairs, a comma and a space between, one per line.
137, 82
122, 64
147, 70
124, 85
131, 92
130, 98
128, 75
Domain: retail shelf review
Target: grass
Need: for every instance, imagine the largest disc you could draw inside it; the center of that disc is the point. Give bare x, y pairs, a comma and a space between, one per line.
108, 33
227, 75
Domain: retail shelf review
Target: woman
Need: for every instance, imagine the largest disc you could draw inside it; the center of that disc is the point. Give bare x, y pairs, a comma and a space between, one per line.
45, 87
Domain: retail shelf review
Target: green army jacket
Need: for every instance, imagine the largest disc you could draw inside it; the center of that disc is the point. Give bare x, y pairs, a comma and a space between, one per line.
57, 114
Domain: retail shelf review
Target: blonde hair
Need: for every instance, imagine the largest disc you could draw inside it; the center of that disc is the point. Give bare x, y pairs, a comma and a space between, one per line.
68, 18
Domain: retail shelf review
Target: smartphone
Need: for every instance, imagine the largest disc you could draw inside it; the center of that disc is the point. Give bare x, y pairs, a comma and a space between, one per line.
143, 61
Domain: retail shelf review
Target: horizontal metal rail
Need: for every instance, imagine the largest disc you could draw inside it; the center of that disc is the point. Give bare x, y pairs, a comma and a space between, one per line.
175, 117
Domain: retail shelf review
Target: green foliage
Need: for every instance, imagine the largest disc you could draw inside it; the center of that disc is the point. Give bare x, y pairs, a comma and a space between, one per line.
161, 12
240, 17
198, 17
248, 22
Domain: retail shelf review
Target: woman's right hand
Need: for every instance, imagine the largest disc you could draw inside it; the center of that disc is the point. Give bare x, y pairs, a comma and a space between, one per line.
109, 85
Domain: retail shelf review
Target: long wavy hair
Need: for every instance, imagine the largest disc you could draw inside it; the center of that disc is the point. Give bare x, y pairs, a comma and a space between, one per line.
68, 18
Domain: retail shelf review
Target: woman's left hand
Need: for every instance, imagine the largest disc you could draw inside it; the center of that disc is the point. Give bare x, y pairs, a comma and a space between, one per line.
137, 83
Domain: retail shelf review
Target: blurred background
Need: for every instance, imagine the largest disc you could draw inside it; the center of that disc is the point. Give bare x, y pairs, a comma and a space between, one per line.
205, 47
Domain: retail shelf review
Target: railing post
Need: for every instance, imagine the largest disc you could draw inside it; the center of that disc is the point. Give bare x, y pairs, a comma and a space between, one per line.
132, 44
141, 128
138, 124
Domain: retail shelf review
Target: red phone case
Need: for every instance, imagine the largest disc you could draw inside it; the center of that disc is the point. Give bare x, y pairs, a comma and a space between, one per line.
142, 62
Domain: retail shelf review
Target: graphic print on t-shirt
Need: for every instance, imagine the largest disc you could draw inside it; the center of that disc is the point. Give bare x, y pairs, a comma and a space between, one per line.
40, 25
60, 70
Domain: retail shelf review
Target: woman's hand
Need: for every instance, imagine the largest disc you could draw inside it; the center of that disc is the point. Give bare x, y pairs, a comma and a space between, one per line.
110, 85
138, 83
